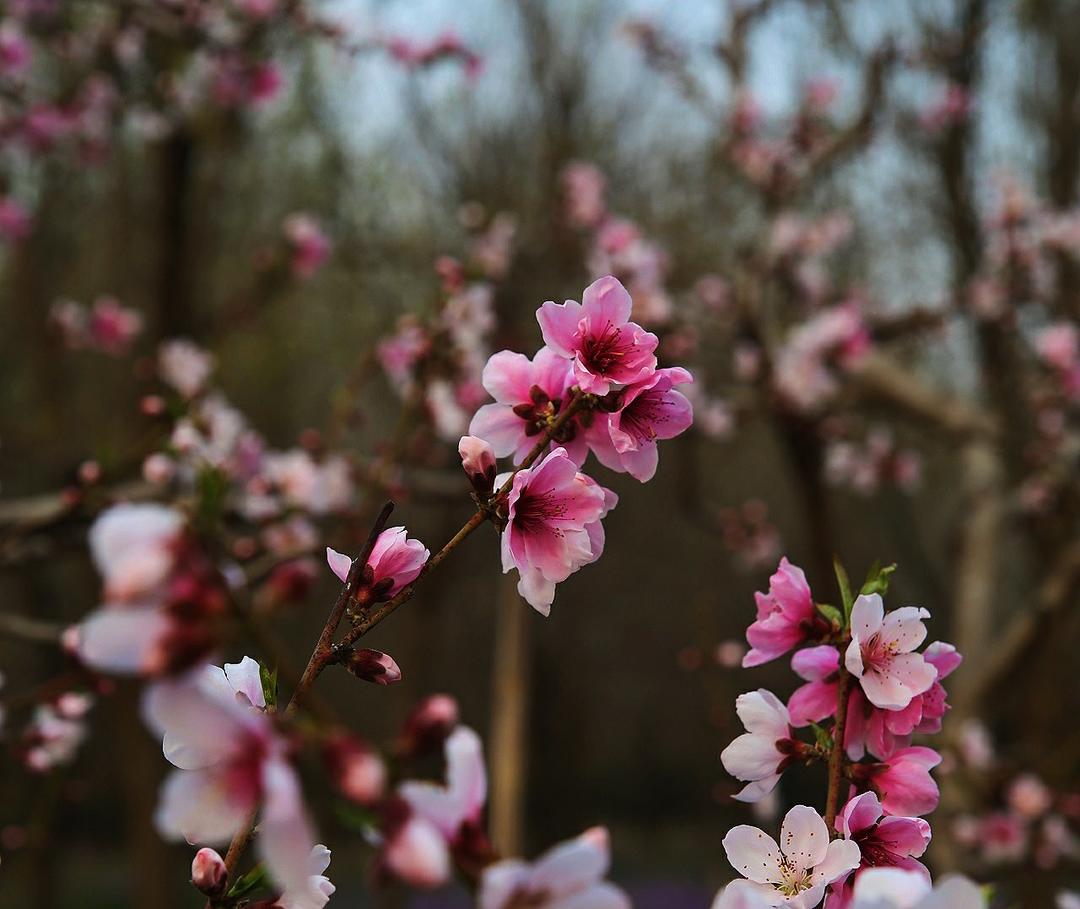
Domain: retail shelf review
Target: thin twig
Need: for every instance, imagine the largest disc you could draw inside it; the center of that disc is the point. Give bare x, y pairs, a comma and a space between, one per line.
836, 755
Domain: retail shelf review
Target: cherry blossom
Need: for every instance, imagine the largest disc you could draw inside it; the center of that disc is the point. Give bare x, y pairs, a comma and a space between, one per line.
786, 616
767, 747
230, 760
650, 410
597, 335
895, 888
317, 890
528, 397
134, 547
430, 820
55, 732
478, 462
184, 366
396, 561
553, 526
309, 245
881, 653
570, 874
796, 872
883, 841
903, 782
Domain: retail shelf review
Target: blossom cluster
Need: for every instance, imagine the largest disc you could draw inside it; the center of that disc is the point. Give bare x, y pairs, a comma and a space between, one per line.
862, 672
594, 386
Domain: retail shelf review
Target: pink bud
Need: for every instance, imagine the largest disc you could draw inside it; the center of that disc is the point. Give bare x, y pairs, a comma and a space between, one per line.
208, 872
478, 462
357, 771
373, 666
427, 727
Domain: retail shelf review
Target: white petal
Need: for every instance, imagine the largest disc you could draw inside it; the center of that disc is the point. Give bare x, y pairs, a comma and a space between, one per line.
754, 854
804, 838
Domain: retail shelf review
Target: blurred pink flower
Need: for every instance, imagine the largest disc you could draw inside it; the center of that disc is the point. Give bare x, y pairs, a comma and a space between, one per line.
15, 220
184, 366
583, 187
230, 761
309, 244
568, 875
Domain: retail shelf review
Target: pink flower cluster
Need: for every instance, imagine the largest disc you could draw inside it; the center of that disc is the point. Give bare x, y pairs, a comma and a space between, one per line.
869, 660
807, 362
161, 597
869, 464
595, 356
107, 326
441, 359
617, 246
448, 45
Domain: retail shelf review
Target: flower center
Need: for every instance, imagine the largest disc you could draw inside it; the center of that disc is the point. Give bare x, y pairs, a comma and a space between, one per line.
602, 351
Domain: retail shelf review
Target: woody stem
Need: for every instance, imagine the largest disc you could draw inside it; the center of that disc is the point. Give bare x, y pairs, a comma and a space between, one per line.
836, 754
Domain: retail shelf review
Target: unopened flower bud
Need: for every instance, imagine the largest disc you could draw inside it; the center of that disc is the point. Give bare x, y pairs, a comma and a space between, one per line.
427, 727
373, 666
208, 872
356, 769
478, 462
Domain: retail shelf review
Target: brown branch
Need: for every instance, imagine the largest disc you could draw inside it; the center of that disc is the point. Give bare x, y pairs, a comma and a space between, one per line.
31, 631
879, 376
836, 754
326, 652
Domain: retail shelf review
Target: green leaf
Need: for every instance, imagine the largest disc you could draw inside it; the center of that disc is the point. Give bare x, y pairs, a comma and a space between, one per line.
269, 685
845, 590
877, 580
248, 883
355, 817
831, 613
822, 737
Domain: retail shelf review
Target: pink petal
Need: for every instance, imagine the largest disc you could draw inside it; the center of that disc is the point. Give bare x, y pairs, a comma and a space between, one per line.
559, 326
754, 854
606, 302
339, 563
804, 838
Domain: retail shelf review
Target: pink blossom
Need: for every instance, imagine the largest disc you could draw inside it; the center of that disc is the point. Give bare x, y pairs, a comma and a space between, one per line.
1002, 837
230, 760
15, 220
881, 653
418, 847
903, 783
185, 366
134, 548
309, 244
802, 373
650, 410
208, 872
883, 731
583, 190
950, 108
399, 354
786, 616
528, 396
395, 562
113, 327
816, 700
597, 335
895, 888
1059, 346
797, 873
428, 725
1029, 796
355, 768
54, 735
316, 890
568, 875
553, 526
883, 842
15, 50
765, 750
